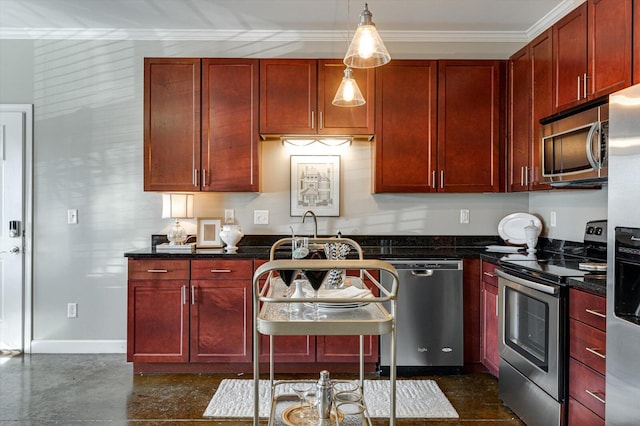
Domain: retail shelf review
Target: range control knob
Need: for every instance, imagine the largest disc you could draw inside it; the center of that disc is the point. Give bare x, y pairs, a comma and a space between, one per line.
590, 230
598, 231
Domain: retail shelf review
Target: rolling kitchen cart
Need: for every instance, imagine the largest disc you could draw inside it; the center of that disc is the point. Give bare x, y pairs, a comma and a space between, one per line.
359, 317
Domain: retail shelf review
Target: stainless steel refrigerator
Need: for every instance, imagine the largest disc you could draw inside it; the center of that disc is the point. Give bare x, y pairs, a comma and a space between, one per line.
623, 329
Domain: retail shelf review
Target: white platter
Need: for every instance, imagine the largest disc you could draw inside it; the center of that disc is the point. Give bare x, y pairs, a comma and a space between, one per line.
511, 227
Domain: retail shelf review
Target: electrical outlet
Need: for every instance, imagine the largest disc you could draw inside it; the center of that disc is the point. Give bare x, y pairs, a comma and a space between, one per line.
72, 216
229, 217
72, 310
261, 217
464, 216
552, 219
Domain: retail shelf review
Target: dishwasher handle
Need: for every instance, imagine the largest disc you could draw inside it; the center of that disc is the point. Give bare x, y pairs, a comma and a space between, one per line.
422, 272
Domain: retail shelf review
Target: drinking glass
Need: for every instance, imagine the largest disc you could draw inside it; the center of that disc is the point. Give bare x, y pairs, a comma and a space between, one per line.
315, 279
287, 275
300, 389
350, 413
311, 398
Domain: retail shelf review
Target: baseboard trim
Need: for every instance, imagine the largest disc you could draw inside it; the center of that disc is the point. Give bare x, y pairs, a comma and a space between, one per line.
78, 346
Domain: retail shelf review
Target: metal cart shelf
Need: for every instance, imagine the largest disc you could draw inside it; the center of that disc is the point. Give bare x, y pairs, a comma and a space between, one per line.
372, 318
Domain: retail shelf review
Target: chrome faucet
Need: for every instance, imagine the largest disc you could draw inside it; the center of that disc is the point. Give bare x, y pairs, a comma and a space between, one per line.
315, 222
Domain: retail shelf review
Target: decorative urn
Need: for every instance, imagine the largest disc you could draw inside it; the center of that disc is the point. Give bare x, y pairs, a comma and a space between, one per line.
231, 234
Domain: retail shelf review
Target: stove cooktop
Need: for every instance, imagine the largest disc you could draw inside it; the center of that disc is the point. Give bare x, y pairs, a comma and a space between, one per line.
551, 267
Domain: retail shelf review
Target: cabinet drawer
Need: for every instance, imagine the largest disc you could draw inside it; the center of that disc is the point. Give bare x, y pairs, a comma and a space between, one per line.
588, 308
489, 273
221, 269
587, 387
579, 415
145, 269
587, 345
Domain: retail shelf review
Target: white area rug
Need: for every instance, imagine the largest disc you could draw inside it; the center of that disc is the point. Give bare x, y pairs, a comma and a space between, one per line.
414, 399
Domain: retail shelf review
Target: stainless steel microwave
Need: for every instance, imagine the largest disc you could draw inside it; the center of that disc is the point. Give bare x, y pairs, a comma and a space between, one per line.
574, 149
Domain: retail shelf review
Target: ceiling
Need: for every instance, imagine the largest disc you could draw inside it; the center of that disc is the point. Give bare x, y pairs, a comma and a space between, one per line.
313, 20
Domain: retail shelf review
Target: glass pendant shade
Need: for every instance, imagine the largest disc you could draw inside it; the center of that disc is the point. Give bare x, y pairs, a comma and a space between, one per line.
348, 94
177, 206
366, 49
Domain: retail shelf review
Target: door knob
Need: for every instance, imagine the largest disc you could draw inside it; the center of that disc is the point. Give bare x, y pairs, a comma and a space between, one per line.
12, 250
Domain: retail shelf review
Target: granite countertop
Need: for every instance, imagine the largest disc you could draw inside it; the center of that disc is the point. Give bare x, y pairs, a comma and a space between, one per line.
373, 247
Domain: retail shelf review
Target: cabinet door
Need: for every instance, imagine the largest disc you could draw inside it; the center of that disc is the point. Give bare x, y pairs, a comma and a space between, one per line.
636, 41
299, 349
405, 146
334, 120
519, 119
490, 356
221, 321
610, 50
158, 321
347, 348
542, 101
469, 130
288, 96
171, 124
570, 55
230, 125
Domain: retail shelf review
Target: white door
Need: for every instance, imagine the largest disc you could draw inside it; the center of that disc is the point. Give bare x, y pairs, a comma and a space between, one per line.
15, 130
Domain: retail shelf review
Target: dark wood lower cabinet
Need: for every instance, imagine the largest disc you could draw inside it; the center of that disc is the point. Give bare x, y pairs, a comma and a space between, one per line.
489, 317
471, 306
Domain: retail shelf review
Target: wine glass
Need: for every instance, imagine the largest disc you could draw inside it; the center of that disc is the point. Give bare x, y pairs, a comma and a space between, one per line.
312, 398
316, 277
287, 275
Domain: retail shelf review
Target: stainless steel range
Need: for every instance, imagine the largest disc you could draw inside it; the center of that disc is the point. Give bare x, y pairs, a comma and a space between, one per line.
532, 334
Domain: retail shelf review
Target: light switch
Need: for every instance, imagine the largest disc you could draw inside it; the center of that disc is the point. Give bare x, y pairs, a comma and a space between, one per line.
72, 216
261, 217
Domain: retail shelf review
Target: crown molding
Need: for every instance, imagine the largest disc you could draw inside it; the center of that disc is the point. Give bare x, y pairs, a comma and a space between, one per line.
253, 35
552, 17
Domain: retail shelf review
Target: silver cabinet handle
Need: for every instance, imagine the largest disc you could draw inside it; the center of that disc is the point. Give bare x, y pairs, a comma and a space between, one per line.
596, 313
526, 175
195, 177
157, 271
522, 175
218, 271
578, 98
596, 353
321, 125
204, 177
441, 178
433, 179
497, 301
193, 295
313, 119
183, 290
584, 86
593, 394
489, 274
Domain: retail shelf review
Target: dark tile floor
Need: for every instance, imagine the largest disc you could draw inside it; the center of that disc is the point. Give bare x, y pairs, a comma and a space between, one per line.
97, 389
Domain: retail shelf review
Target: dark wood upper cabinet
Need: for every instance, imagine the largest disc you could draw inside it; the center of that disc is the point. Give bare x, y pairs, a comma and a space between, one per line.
296, 96
542, 102
570, 54
171, 123
470, 125
520, 140
230, 140
345, 120
406, 118
610, 37
592, 52
201, 124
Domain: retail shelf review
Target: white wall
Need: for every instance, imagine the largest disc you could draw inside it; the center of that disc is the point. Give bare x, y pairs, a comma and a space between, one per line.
88, 156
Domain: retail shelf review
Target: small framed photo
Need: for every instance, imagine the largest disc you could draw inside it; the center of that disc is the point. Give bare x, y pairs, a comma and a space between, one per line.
315, 184
209, 232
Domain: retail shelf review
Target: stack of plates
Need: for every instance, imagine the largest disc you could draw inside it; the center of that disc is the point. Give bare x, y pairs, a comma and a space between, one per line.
356, 294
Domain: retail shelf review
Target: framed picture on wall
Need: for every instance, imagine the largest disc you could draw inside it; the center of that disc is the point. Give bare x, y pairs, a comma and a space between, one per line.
209, 232
315, 184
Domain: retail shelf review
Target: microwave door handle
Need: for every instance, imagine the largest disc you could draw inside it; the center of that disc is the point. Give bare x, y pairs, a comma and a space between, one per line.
595, 129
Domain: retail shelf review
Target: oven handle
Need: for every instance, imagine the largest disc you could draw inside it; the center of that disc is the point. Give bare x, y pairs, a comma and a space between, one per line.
529, 284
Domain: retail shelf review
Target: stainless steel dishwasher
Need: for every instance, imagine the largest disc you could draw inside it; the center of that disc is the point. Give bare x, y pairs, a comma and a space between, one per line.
429, 320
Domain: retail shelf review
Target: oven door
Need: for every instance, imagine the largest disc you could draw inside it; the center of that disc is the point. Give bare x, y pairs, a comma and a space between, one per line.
529, 331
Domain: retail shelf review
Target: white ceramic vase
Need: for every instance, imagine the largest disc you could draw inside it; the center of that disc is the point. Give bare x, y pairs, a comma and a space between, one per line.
231, 234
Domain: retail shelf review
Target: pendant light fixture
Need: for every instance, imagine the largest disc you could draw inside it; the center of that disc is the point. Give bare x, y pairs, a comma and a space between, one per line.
366, 49
348, 94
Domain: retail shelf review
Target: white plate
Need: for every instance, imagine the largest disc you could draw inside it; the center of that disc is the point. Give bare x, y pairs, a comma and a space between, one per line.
504, 249
511, 227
